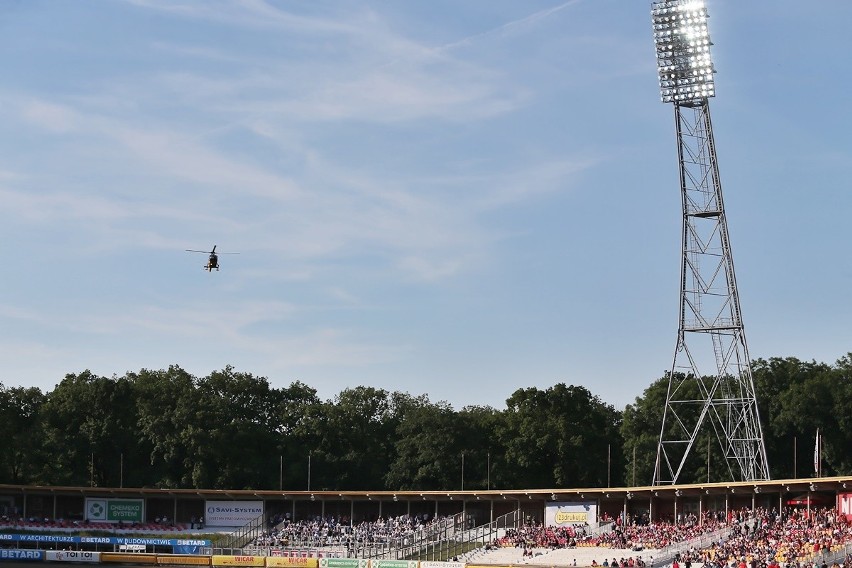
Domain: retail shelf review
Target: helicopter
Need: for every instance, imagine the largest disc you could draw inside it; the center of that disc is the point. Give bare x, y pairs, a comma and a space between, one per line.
213, 259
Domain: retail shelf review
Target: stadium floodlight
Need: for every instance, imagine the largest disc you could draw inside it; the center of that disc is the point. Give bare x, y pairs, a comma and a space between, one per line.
711, 388
684, 65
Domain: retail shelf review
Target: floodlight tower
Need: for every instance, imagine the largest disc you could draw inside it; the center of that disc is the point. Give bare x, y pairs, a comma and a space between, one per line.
710, 383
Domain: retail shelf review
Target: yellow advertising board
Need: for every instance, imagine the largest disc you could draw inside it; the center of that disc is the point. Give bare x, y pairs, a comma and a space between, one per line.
221, 560
563, 517
182, 560
128, 558
281, 561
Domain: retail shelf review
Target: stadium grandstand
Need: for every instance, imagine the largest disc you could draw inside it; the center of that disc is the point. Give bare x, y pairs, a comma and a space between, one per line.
768, 524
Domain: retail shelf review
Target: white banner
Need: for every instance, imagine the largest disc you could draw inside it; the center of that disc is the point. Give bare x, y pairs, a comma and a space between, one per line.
72, 556
435, 564
844, 504
231, 513
566, 514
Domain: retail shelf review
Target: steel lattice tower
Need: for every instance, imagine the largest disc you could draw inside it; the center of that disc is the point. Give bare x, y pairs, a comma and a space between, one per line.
710, 383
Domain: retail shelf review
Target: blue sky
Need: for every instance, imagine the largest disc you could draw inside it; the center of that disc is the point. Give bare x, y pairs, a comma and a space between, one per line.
443, 197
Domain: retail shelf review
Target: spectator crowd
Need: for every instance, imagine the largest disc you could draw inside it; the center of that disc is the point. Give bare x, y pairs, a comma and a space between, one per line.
338, 532
763, 538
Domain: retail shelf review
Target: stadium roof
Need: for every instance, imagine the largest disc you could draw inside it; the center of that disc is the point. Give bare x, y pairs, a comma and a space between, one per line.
784, 486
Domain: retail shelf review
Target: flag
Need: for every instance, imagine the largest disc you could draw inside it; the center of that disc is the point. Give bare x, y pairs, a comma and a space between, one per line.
816, 454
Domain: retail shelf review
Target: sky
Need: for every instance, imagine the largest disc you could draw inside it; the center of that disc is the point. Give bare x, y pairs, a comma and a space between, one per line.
458, 199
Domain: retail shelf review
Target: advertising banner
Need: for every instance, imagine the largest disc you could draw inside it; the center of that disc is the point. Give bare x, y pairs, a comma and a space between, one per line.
186, 549
119, 540
566, 513
288, 561
115, 510
177, 560
432, 564
342, 563
221, 560
21, 555
844, 505
231, 513
128, 558
60, 538
72, 556
393, 564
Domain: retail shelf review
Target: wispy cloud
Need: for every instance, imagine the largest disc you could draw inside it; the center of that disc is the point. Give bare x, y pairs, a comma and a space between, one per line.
311, 203
431, 235
53, 117
381, 76
249, 13
515, 26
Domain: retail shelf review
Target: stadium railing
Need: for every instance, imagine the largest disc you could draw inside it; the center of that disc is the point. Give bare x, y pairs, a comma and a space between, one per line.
242, 536
669, 553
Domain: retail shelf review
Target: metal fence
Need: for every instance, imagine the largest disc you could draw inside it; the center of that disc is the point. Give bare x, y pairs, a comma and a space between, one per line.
242, 536
668, 554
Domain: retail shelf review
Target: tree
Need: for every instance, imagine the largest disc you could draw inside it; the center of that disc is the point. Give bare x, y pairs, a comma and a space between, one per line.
640, 430
427, 448
87, 421
171, 423
21, 432
787, 413
298, 412
484, 450
355, 439
240, 414
561, 437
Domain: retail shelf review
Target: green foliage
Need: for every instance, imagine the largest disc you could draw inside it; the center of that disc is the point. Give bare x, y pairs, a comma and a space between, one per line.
21, 432
166, 428
561, 437
87, 422
428, 448
640, 428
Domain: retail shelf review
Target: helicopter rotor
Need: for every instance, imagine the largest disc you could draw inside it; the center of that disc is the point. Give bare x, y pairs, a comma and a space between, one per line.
210, 251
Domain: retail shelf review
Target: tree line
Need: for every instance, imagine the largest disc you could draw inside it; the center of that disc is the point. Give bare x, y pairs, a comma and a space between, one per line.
233, 430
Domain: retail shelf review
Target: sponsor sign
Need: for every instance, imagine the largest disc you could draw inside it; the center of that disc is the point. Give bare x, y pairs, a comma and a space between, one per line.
115, 510
128, 558
342, 563
279, 561
844, 505
45, 538
62, 539
567, 513
220, 560
185, 549
72, 556
21, 555
432, 564
178, 560
231, 513
393, 564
